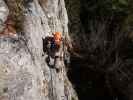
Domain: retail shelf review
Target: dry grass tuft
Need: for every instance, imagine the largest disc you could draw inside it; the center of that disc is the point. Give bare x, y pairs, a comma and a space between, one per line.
16, 8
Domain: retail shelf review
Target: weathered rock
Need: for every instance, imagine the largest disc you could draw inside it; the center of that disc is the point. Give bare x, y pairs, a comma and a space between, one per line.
3, 14
24, 73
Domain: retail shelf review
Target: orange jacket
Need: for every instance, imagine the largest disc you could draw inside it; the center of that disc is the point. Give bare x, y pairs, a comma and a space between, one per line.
57, 38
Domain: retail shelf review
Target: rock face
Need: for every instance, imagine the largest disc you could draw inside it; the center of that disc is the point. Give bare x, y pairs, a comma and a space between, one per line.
24, 73
3, 14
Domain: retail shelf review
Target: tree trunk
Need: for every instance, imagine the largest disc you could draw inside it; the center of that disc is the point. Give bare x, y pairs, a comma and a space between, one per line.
24, 73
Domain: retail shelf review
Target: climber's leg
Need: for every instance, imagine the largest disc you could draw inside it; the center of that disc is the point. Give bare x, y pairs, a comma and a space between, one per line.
47, 60
57, 62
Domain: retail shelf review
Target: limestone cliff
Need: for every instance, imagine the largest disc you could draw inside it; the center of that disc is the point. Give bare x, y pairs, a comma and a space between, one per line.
24, 73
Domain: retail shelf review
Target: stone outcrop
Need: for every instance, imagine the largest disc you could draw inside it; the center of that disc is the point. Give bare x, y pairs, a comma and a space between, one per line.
3, 14
24, 73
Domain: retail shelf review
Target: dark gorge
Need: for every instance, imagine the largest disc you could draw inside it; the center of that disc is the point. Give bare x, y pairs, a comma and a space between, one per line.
101, 34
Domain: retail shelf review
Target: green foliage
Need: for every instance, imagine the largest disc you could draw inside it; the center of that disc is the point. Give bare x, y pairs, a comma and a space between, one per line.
127, 25
107, 7
73, 98
16, 8
18, 13
120, 6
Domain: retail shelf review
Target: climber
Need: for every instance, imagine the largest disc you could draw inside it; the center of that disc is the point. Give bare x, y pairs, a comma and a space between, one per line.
52, 47
56, 43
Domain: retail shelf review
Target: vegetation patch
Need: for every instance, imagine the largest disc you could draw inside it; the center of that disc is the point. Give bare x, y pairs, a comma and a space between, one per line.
16, 9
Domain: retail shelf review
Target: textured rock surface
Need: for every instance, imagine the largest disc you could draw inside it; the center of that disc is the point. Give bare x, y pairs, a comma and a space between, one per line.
3, 14
24, 73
